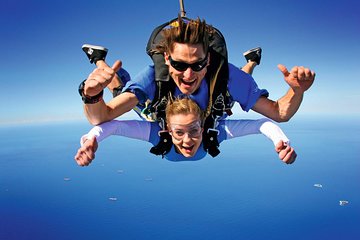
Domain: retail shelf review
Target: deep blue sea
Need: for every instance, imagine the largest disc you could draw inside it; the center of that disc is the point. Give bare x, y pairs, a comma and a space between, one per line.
127, 193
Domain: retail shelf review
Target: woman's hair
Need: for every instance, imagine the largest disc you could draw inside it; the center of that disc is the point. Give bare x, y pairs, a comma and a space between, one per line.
183, 105
186, 31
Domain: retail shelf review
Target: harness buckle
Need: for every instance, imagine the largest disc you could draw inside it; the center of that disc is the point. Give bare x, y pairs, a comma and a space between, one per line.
213, 130
161, 132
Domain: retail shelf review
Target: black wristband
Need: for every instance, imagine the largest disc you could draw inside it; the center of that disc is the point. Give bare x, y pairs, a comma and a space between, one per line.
117, 91
89, 99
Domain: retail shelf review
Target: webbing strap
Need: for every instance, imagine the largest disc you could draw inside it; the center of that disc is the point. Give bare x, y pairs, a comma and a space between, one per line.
211, 141
164, 145
212, 87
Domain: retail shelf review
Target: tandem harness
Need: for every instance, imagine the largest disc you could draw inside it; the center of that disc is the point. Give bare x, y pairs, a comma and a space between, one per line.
217, 77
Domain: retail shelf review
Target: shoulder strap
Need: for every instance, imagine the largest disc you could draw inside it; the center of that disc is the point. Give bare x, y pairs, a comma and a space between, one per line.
165, 142
162, 79
217, 77
164, 145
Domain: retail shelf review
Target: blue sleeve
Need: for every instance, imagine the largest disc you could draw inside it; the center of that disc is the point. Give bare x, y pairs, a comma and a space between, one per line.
222, 131
243, 88
154, 133
143, 85
124, 75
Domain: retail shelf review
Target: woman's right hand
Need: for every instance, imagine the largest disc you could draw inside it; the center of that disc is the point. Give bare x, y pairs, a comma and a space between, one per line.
86, 153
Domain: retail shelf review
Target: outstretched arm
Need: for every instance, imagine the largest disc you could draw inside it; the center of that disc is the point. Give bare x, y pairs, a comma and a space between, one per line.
286, 153
238, 128
89, 142
299, 79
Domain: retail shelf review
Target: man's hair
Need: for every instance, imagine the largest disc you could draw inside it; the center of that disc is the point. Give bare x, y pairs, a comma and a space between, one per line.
186, 31
183, 105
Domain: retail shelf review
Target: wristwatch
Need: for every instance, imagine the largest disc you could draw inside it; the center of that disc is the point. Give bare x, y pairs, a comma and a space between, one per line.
89, 99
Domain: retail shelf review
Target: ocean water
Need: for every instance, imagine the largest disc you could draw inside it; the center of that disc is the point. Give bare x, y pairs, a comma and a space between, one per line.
126, 193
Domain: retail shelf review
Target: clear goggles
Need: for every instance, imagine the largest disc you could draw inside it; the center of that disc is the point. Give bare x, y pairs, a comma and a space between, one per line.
178, 131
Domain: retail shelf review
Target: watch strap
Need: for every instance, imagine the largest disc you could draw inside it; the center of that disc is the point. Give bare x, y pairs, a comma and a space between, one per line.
89, 99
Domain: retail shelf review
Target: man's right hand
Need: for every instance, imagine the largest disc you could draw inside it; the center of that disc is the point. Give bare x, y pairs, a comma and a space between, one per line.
100, 77
104, 76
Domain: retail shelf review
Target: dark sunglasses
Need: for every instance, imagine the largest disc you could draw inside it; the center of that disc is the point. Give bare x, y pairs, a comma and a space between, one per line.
182, 66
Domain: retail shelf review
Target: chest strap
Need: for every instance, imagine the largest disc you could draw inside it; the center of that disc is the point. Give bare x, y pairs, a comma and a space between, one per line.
210, 135
164, 145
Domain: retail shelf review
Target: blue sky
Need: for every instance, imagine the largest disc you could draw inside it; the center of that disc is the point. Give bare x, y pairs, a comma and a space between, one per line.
43, 64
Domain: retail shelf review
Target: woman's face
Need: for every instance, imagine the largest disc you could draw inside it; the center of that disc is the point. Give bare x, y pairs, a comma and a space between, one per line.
186, 133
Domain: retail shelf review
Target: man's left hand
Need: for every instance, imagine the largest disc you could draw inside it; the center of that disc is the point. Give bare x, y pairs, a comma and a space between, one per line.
299, 79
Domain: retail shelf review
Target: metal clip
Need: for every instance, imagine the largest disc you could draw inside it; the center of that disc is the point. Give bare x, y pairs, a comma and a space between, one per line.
213, 130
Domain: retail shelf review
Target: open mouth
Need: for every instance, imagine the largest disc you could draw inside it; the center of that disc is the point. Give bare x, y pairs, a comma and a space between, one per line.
188, 149
189, 83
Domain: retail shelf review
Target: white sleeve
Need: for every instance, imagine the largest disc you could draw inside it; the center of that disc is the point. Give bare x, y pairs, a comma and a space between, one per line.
238, 128
274, 132
131, 129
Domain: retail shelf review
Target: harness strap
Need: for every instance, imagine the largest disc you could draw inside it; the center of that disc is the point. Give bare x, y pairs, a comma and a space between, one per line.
159, 108
212, 142
164, 145
215, 109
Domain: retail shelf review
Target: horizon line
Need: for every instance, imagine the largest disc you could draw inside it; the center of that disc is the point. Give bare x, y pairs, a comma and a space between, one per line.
135, 117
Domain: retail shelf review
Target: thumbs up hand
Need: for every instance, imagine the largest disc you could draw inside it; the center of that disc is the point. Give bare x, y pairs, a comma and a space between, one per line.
299, 79
101, 77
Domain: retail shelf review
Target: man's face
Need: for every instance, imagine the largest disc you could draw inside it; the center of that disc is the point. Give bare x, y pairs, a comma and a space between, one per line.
187, 66
186, 133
